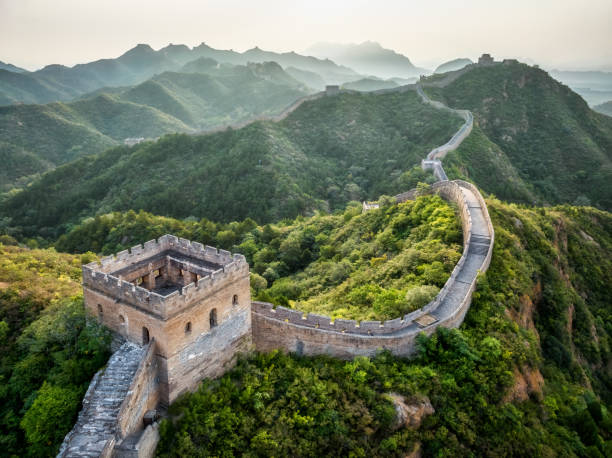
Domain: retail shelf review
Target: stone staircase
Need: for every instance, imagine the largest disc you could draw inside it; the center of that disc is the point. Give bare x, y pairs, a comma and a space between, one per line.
93, 434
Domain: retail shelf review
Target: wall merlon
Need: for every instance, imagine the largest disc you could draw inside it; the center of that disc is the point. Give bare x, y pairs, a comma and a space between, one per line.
392, 325
370, 325
342, 325
189, 289
197, 248
283, 313
136, 250
321, 321
123, 255
151, 246
210, 251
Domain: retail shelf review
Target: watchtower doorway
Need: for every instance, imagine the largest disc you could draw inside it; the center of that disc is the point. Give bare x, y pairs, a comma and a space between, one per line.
145, 336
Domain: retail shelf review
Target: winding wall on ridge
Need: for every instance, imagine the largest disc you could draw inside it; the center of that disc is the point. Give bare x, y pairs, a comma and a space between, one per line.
312, 334
110, 422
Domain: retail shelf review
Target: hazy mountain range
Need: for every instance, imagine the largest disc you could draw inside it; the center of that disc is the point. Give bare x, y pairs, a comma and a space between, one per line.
60, 83
605, 108
544, 147
369, 58
205, 94
594, 86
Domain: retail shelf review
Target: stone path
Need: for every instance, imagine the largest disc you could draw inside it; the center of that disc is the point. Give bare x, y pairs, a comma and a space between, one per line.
480, 241
97, 421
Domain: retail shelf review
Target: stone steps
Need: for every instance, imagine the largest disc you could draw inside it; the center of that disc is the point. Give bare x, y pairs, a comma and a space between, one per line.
97, 420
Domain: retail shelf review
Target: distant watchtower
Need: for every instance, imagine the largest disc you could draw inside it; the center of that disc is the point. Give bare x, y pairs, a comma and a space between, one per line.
195, 301
486, 59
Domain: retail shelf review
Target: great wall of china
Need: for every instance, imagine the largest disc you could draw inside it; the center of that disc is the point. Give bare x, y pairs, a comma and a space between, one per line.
111, 421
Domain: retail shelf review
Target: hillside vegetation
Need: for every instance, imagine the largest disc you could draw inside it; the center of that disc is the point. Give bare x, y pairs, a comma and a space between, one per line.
378, 265
49, 352
543, 144
528, 373
326, 153
208, 96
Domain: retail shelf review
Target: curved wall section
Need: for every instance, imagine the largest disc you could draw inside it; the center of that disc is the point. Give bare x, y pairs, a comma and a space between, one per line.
312, 334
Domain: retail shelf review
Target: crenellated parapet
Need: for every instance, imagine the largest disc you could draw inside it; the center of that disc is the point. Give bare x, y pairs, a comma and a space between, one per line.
222, 266
282, 327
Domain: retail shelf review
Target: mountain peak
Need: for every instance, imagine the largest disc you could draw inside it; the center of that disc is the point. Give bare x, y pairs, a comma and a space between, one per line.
173, 47
369, 57
141, 48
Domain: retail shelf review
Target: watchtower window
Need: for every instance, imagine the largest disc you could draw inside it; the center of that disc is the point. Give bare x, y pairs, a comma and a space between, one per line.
139, 281
145, 336
121, 320
235, 299
213, 318
100, 312
156, 273
188, 328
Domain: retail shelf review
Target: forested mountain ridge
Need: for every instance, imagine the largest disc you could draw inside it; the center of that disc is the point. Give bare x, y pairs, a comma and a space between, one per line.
327, 152
60, 83
200, 98
532, 360
533, 130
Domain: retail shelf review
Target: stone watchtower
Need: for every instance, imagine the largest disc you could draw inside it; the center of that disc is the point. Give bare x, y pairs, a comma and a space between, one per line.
194, 301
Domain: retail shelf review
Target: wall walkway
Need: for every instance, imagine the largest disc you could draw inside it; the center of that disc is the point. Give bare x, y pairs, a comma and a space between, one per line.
94, 433
312, 334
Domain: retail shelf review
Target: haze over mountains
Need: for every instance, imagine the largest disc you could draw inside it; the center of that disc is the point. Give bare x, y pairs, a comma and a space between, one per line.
369, 58
594, 86
60, 83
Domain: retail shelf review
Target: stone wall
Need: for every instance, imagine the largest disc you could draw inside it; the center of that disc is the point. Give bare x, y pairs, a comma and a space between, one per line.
97, 429
206, 351
142, 395
311, 334
465, 130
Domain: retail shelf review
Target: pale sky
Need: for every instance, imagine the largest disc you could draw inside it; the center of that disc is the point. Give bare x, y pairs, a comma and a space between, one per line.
568, 34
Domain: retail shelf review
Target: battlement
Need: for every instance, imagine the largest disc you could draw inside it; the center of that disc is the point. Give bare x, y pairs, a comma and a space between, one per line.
449, 190
208, 268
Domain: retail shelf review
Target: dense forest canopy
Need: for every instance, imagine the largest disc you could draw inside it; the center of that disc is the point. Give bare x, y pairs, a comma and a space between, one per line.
49, 351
